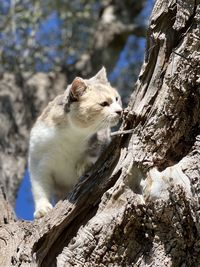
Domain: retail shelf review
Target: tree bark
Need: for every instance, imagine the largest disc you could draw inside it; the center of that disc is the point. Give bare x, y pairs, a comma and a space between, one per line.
139, 204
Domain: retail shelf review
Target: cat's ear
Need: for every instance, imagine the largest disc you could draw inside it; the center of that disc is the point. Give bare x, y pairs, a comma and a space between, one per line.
101, 76
78, 87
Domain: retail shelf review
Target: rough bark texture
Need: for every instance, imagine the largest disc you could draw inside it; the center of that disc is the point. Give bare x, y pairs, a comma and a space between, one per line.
107, 220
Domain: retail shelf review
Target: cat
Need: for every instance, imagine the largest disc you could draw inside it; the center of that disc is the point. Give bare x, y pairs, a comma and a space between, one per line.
60, 147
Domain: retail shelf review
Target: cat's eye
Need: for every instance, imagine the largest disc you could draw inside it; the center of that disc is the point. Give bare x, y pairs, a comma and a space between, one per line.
117, 98
104, 104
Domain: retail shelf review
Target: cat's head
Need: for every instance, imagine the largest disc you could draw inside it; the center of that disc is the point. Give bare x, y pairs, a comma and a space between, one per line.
93, 103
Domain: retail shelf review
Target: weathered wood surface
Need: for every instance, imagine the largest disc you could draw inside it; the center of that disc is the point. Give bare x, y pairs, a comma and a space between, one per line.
107, 220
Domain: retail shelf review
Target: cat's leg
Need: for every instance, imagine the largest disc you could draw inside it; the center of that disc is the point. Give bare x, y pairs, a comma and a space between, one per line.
97, 143
42, 187
84, 164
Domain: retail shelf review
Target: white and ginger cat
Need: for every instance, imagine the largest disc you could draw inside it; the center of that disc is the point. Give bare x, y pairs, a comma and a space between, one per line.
60, 148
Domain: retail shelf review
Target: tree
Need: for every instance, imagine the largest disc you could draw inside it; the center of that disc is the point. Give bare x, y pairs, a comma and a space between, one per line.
106, 220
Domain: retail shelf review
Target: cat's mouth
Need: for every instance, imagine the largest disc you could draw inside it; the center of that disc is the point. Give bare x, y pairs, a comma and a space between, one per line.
115, 120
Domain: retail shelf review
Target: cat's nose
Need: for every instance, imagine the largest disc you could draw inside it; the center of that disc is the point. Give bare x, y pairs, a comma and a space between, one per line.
119, 112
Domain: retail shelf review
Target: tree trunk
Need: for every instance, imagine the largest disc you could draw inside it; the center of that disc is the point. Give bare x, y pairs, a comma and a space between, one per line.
108, 219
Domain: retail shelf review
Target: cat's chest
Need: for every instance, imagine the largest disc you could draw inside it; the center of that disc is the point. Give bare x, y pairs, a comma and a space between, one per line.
59, 151
66, 152
69, 145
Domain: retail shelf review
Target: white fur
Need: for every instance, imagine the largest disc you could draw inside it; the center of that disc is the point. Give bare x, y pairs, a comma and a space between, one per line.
53, 155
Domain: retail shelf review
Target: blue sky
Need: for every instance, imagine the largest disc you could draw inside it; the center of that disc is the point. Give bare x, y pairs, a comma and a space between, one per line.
24, 203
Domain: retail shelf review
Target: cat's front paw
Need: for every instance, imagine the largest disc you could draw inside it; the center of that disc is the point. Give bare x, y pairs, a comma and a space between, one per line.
42, 210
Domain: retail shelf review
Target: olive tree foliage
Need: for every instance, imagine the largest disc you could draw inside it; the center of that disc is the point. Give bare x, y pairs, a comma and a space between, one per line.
29, 46
79, 33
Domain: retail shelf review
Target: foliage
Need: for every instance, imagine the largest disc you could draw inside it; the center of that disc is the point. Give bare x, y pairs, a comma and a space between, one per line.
53, 35
42, 35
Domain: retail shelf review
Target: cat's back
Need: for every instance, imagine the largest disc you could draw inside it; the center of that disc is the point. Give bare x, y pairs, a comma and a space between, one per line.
49, 126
